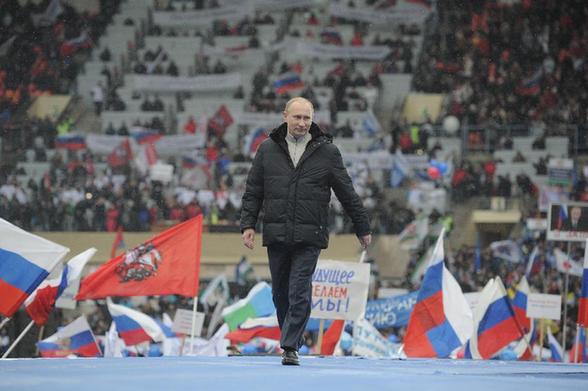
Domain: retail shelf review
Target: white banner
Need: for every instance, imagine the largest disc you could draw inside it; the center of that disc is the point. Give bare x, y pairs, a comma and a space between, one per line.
282, 5
380, 160
339, 289
199, 18
536, 224
543, 306
161, 172
368, 342
395, 16
102, 144
272, 120
320, 50
197, 83
270, 5
179, 143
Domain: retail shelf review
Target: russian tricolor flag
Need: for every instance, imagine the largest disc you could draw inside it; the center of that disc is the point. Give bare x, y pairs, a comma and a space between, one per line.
146, 136
441, 320
189, 162
72, 142
41, 302
253, 140
75, 338
25, 261
495, 324
583, 301
519, 305
133, 326
580, 347
288, 81
557, 353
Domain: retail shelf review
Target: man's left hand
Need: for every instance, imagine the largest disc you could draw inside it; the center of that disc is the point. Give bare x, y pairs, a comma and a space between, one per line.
365, 240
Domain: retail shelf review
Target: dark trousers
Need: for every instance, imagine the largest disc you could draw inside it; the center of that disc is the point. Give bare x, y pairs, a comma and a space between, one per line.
291, 269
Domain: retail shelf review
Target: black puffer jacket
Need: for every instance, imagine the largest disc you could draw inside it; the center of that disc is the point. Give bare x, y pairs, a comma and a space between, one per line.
296, 200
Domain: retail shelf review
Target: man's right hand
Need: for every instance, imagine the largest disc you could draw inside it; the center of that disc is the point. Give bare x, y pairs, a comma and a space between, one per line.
248, 238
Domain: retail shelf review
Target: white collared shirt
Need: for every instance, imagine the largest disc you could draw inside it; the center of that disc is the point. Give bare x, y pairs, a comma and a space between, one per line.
296, 146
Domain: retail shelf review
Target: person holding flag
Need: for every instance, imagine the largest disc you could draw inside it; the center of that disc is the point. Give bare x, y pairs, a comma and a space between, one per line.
292, 176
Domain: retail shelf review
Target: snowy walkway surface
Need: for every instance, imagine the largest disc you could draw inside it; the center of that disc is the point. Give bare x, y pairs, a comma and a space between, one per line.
266, 373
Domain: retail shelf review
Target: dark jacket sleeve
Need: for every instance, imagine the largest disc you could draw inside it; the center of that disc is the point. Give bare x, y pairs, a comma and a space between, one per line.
343, 187
253, 196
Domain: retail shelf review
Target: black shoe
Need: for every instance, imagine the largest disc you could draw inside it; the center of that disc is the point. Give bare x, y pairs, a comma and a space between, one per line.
290, 357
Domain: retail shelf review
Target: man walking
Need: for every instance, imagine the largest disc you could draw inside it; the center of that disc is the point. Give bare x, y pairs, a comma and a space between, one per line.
292, 176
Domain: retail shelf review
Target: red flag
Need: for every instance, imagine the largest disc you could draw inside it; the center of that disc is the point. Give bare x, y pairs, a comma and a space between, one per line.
167, 264
121, 155
331, 337
118, 242
221, 120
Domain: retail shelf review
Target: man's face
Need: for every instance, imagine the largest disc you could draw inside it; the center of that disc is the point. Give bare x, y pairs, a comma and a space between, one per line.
299, 118
575, 213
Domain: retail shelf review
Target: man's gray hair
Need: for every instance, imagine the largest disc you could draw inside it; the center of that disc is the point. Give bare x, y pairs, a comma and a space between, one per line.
298, 99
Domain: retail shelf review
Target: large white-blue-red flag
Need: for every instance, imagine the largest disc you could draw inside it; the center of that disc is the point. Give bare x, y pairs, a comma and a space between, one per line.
583, 301
579, 352
42, 301
133, 326
495, 324
441, 320
25, 261
76, 338
523, 348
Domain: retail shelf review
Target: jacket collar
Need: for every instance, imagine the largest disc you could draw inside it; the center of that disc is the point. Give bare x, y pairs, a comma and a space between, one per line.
279, 133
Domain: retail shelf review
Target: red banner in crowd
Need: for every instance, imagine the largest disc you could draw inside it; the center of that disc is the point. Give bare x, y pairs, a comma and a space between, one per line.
167, 264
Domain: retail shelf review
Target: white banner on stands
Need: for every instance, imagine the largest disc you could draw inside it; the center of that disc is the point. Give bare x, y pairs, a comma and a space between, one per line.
161, 172
198, 83
270, 5
281, 5
394, 16
320, 50
179, 143
102, 144
199, 18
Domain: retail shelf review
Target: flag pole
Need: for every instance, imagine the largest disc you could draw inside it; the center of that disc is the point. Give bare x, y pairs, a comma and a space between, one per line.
22, 334
577, 343
41, 331
193, 331
565, 300
3, 323
319, 340
541, 337
363, 256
